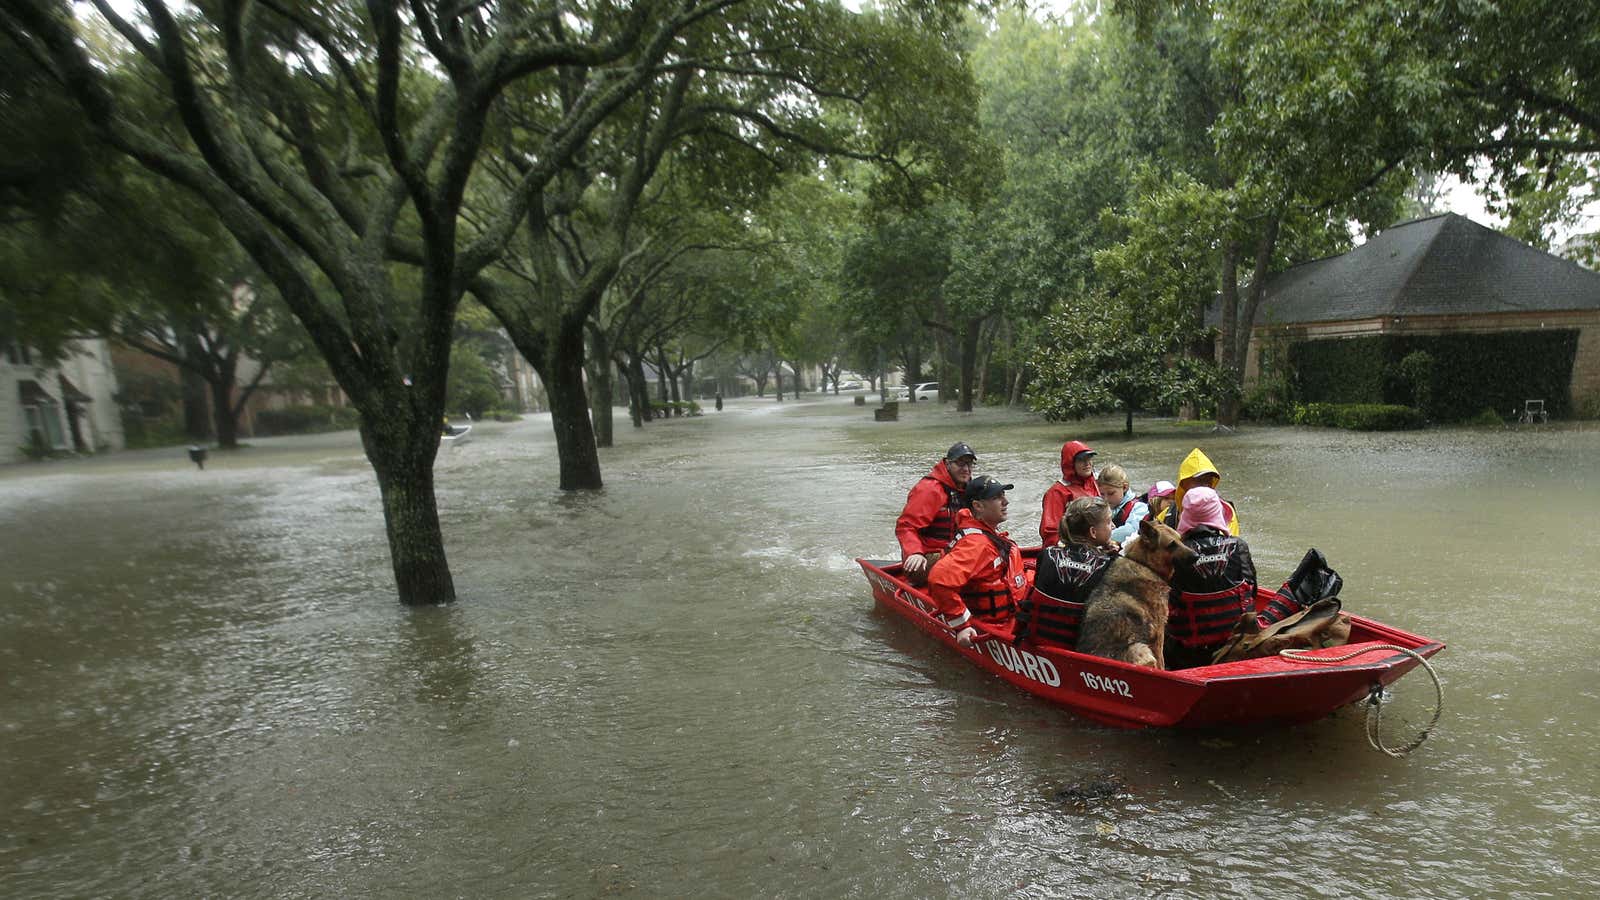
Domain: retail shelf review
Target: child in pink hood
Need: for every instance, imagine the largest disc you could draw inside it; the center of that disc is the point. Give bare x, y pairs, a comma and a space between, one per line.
1209, 597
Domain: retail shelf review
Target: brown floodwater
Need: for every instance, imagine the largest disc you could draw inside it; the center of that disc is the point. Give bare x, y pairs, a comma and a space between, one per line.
680, 685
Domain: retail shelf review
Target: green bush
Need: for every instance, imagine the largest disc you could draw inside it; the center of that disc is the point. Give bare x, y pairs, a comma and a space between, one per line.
1314, 414
1451, 376
1486, 417
1267, 401
306, 420
1357, 416
1378, 417
503, 415
140, 432
1415, 372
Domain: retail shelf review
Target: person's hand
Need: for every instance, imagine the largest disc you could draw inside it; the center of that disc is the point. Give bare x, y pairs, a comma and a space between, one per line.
964, 636
916, 564
1115, 547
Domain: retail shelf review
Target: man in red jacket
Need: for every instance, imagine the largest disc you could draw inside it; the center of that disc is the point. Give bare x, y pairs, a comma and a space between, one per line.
927, 525
1077, 480
982, 577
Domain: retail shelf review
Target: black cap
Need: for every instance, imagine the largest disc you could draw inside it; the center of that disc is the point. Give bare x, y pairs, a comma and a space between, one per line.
983, 488
1082, 453
958, 450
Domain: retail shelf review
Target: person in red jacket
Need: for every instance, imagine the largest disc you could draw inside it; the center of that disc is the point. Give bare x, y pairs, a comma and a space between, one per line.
927, 525
981, 578
1077, 480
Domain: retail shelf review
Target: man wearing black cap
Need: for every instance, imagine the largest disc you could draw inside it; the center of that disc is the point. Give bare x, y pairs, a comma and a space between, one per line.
982, 577
927, 525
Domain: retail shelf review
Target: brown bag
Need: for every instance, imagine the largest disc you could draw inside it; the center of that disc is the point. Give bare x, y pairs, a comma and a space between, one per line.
921, 578
1319, 625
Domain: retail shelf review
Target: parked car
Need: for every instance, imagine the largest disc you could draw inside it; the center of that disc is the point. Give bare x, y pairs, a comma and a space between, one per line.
927, 390
849, 385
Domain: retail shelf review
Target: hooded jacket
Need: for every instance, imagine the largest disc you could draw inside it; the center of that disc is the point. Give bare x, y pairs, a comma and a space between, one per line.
1197, 463
1069, 488
928, 522
981, 577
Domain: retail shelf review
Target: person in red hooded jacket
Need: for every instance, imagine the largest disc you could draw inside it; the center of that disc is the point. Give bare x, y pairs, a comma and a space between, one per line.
927, 525
982, 577
1077, 480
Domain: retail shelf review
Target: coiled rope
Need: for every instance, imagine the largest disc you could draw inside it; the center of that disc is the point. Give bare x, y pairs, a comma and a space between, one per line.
1375, 699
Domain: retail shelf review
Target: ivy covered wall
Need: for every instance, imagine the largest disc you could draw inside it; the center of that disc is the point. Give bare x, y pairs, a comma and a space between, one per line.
1468, 372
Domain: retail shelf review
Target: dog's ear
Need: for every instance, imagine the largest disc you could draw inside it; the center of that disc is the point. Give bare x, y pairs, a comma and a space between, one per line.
1147, 530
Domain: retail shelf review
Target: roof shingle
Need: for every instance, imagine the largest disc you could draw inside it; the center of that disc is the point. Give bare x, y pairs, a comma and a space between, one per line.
1441, 265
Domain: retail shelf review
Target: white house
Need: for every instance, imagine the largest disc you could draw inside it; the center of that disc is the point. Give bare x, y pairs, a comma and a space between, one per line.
71, 404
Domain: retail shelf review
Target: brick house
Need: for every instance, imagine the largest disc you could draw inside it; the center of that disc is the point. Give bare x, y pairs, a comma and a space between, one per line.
1442, 274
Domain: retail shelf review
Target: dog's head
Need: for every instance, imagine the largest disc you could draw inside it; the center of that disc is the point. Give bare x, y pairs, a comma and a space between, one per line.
1161, 548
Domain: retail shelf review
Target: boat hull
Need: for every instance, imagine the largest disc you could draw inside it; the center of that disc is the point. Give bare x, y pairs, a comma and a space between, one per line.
1270, 690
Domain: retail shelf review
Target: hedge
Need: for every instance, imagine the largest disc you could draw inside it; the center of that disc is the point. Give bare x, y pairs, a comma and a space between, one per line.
1357, 416
1469, 372
305, 419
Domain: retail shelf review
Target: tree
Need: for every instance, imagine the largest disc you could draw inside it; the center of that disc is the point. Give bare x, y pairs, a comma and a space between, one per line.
244, 326
1098, 360
757, 89
1503, 92
1125, 344
333, 145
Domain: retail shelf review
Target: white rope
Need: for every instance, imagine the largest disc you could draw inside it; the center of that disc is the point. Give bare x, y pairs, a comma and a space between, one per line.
1375, 699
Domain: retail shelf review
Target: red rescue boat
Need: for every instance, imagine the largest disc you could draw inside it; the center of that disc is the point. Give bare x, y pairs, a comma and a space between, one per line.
1274, 689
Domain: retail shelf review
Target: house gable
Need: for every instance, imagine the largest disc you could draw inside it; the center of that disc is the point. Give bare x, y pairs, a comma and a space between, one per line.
1443, 265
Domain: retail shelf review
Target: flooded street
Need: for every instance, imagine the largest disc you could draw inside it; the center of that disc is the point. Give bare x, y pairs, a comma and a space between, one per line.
680, 685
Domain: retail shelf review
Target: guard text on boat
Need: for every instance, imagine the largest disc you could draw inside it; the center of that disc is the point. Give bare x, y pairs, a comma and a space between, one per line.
1022, 662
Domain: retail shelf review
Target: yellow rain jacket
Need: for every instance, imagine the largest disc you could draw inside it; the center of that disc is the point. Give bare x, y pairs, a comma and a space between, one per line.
1197, 463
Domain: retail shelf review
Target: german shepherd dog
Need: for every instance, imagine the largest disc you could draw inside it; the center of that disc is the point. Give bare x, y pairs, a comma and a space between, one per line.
1125, 615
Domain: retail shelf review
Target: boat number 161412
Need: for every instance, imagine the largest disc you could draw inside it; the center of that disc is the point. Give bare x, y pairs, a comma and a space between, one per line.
1109, 685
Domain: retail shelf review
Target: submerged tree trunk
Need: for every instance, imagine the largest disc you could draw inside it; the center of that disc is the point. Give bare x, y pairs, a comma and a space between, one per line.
640, 391
633, 382
1017, 383
402, 456
223, 416
969, 360
600, 386
777, 382
569, 412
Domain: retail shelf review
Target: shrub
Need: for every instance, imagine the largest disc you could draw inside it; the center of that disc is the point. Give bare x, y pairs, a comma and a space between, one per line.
305, 420
1314, 414
1486, 416
1451, 376
1378, 417
1357, 416
140, 432
1267, 401
1415, 371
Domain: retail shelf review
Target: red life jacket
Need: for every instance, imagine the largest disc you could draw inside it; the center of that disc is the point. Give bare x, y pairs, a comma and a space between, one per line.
993, 594
942, 530
1205, 620
1119, 517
